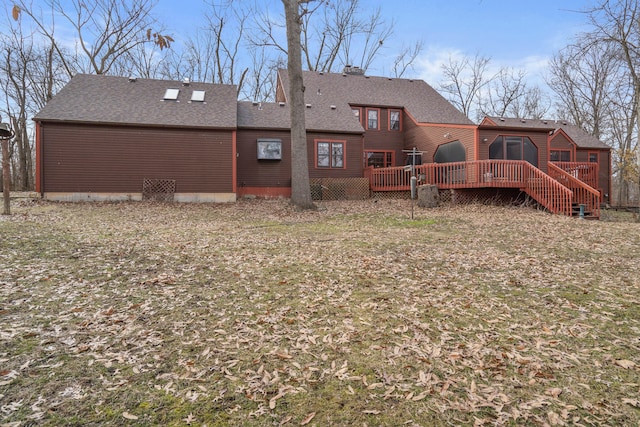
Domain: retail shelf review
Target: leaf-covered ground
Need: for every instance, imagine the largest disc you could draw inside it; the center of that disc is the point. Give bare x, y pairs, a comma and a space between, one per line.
256, 314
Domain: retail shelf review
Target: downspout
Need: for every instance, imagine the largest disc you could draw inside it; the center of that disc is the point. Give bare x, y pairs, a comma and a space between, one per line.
234, 163
476, 137
38, 178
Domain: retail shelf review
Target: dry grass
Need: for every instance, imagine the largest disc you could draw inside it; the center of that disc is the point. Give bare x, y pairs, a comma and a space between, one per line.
255, 314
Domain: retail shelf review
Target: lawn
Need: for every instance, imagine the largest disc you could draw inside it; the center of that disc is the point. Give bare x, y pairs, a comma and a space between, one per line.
256, 314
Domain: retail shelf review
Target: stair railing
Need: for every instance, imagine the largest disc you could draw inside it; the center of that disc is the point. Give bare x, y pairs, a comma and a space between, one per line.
582, 193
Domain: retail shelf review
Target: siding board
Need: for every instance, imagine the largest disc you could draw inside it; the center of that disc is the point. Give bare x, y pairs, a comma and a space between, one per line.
254, 173
93, 158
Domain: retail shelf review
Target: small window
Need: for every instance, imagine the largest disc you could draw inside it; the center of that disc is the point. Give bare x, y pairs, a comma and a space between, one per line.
593, 157
372, 119
269, 149
330, 154
394, 120
171, 94
379, 159
197, 96
560, 156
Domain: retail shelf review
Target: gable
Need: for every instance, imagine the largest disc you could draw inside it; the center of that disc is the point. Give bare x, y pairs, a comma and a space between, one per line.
416, 97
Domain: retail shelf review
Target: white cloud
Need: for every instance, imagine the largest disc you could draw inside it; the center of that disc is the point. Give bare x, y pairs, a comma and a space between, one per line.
428, 66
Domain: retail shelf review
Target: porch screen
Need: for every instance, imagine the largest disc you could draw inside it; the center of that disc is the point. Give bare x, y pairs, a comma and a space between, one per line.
450, 152
514, 148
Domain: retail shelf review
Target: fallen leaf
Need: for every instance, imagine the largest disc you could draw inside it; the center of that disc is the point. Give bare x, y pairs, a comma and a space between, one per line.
190, 418
626, 364
555, 392
129, 416
308, 419
285, 420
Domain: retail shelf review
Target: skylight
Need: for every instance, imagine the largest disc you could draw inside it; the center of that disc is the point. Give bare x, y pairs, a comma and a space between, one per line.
197, 96
171, 94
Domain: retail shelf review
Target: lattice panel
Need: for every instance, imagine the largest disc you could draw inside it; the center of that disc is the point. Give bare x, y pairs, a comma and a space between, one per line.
161, 190
487, 196
339, 188
391, 194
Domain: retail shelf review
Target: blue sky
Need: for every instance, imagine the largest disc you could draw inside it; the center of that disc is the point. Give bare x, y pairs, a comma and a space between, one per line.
513, 33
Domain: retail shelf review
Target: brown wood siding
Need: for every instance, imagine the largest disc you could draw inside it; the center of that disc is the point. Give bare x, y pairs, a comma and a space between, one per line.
92, 158
352, 156
384, 139
280, 92
428, 138
604, 168
277, 173
540, 139
262, 173
560, 142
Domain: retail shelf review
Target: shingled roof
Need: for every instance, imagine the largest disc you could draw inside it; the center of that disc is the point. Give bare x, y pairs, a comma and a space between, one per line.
581, 138
103, 99
419, 99
318, 117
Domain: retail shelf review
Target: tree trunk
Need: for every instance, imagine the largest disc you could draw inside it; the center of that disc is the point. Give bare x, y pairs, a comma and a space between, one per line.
6, 176
300, 188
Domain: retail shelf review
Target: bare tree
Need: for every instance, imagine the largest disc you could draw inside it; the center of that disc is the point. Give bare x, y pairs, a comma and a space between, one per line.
464, 81
300, 188
214, 53
405, 58
584, 76
333, 34
533, 104
617, 23
28, 79
261, 78
507, 94
104, 30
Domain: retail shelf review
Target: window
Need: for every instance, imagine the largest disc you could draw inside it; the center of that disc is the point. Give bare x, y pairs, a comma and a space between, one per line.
269, 149
560, 156
197, 96
394, 120
379, 159
514, 148
593, 157
372, 118
450, 152
330, 154
171, 94
413, 159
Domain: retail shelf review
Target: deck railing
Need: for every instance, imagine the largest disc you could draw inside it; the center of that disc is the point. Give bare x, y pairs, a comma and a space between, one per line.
478, 174
585, 172
582, 193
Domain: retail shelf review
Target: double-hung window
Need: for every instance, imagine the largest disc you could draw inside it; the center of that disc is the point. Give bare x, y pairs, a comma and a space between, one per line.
330, 154
372, 118
394, 119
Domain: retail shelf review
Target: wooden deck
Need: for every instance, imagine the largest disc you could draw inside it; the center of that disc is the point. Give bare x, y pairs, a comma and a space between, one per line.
559, 191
